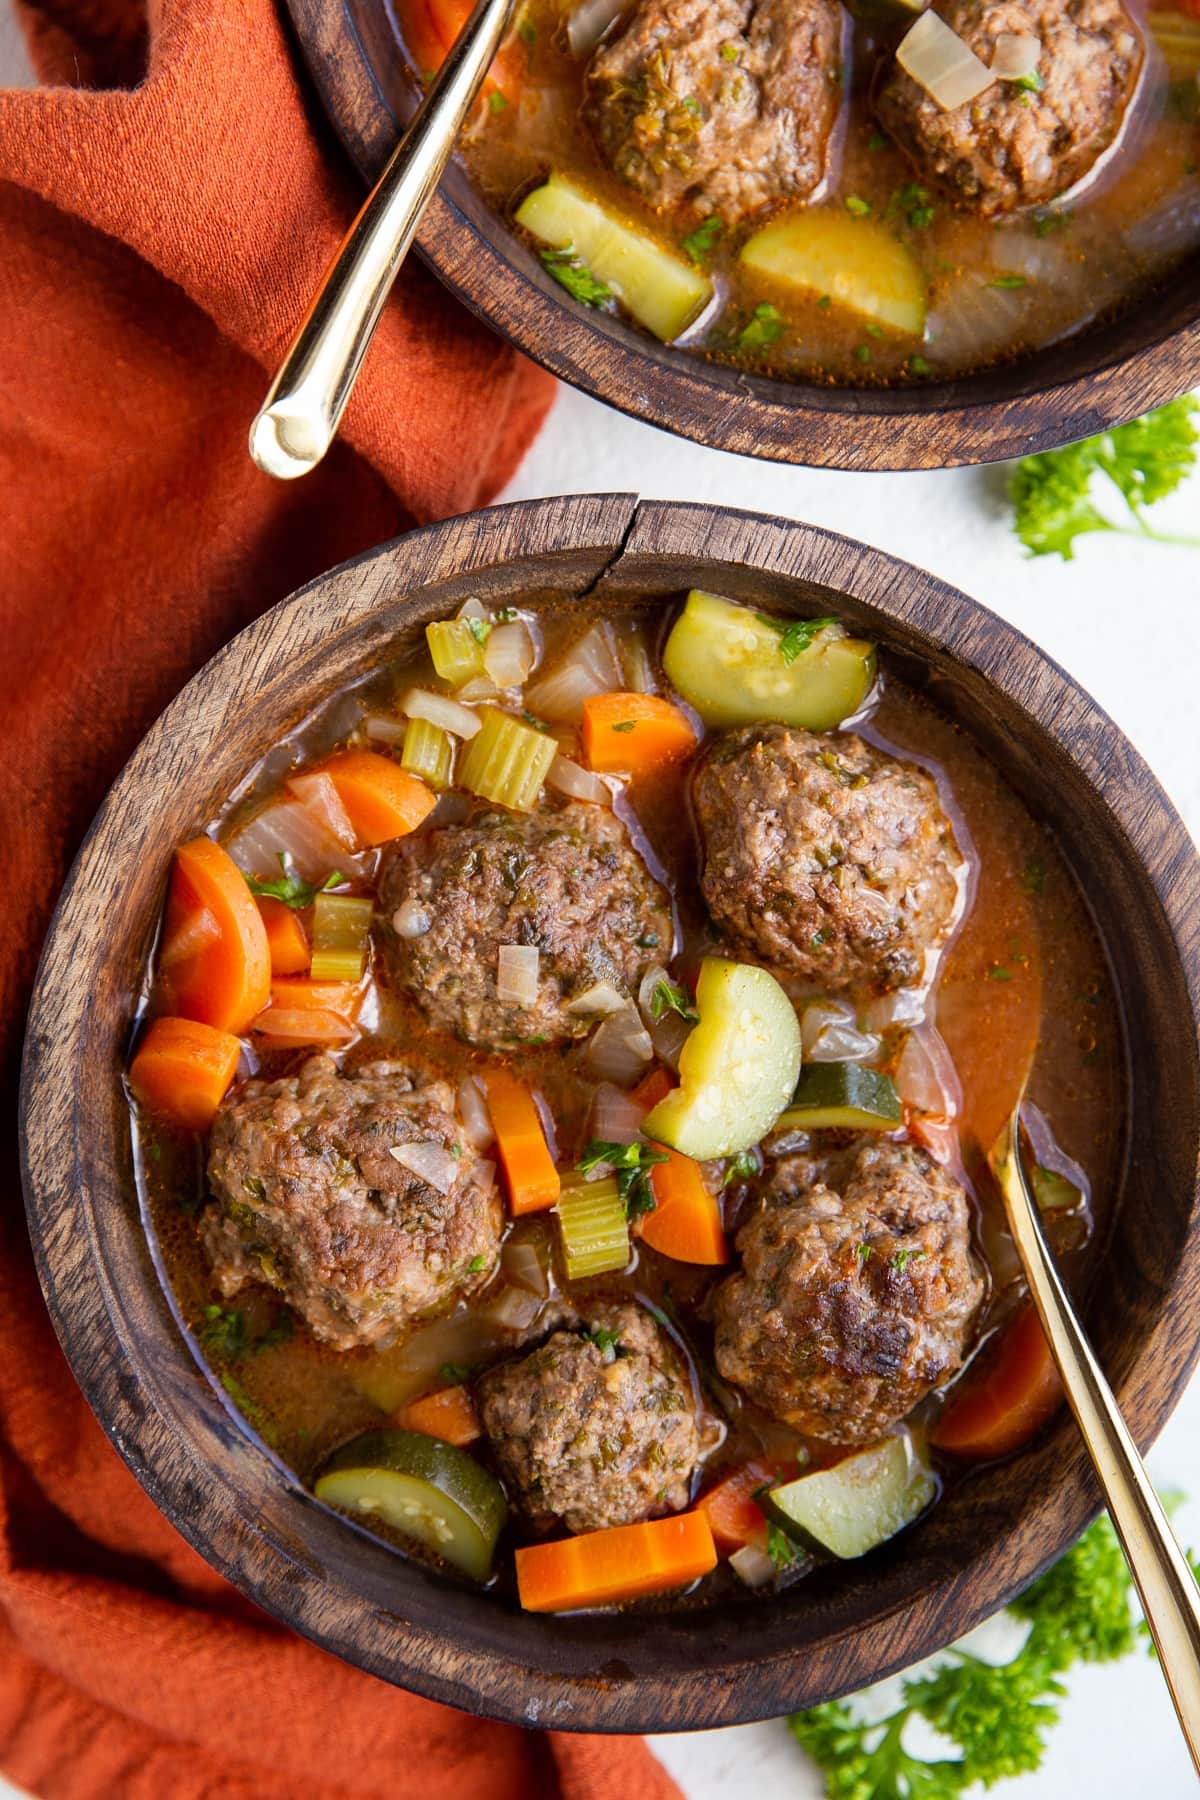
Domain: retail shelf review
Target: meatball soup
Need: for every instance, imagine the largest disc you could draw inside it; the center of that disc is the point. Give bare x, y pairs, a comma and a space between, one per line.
562, 1093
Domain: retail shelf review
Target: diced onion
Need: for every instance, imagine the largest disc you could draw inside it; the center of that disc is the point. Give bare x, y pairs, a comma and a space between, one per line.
566, 777
752, 1566
635, 663
589, 21
292, 830
317, 793
509, 654
524, 1267
829, 1033
200, 930
903, 1006
472, 609
1015, 56
670, 1032
615, 1118
939, 61
430, 1162
513, 1309
463, 1339
926, 1078
478, 688
620, 1050
597, 1001
517, 968
411, 919
589, 667
381, 728
303, 1025
439, 709
476, 1119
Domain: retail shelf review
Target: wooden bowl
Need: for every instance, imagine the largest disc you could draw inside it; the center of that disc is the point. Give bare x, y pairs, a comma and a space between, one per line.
845, 1626
1068, 390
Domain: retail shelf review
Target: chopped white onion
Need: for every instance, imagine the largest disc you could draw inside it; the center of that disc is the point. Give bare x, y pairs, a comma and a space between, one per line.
926, 1078
477, 1120
589, 21
430, 1162
669, 1033
381, 728
635, 663
524, 1267
439, 709
578, 784
752, 1566
317, 793
463, 1339
411, 919
939, 61
1015, 55
513, 1309
517, 969
289, 829
472, 609
597, 1001
615, 1118
903, 1006
620, 1050
509, 654
829, 1033
589, 667
200, 930
478, 688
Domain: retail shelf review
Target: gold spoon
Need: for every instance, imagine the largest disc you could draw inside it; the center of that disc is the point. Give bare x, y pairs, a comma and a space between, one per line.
1170, 1597
300, 415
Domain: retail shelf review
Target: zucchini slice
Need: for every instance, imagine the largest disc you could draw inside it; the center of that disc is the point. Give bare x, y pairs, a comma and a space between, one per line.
733, 665
423, 1488
857, 262
842, 1096
859, 1503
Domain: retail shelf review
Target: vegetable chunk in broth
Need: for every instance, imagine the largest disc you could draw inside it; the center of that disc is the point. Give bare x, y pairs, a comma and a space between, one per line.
863, 194
563, 1089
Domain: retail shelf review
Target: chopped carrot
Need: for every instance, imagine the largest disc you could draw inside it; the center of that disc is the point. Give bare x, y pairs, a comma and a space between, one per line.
309, 1012
286, 939
447, 1414
297, 992
652, 1088
430, 27
533, 1182
1003, 1400
620, 1563
734, 1516
686, 1221
626, 733
183, 1069
215, 959
383, 800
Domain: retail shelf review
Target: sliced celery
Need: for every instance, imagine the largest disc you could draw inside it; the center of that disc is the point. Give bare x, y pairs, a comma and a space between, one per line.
595, 1231
341, 932
739, 667
856, 262
456, 649
1178, 37
507, 761
429, 752
664, 293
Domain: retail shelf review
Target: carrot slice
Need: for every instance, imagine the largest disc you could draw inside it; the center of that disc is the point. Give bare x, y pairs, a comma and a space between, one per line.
220, 978
1006, 1398
533, 1181
686, 1221
620, 1563
286, 939
652, 1088
447, 1414
632, 732
734, 1516
183, 1069
383, 800
430, 27
300, 994
309, 1012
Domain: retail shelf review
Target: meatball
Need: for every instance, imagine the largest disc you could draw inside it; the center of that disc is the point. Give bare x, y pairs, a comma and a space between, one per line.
824, 857
857, 1290
596, 1427
1013, 146
723, 106
567, 881
310, 1199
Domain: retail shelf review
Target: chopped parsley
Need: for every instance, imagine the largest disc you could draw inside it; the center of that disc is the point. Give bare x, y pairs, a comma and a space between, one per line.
496, 101
998, 972
648, 941
858, 206
796, 635
878, 140
742, 1167
608, 1343
863, 352
700, 243
782, 1549
915, 202
476, 1264
692, 105
900, 1261
1049, 219
225, 1336
730, 52
454, 1374
572, 273
1032, 82
766, 327
918, 366
527, 32
667, 997
480, 630
1009, 281
289, 887
863, 1254
631, 1165
623, 725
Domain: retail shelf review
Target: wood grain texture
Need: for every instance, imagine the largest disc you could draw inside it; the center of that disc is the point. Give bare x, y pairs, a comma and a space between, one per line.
1069, 390
227, 1494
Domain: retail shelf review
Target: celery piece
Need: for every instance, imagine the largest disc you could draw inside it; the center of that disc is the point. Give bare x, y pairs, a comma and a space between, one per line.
664, 293
595, 1231
457, 651
506, 761
1178, 37
429, 752
856, 261
340, 935
740, 667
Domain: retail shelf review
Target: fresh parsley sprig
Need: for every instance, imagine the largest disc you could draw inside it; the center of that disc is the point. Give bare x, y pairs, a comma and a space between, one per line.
631, 1165
667, 997
571, 272
796, 635
289, 887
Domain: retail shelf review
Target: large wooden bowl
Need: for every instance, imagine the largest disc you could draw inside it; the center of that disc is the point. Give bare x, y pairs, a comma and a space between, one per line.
1068, 390
846, 1626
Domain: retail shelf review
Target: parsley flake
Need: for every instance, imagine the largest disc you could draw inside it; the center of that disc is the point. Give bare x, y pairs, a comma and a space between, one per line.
289, 887
766, 327
797, 635
631, 1165
668, 997
572, 273
700, 243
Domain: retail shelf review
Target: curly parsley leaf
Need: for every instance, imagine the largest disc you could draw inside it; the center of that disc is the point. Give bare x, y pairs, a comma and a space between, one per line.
631, 1165
570, 271
701, 243
744, 1166
289, 887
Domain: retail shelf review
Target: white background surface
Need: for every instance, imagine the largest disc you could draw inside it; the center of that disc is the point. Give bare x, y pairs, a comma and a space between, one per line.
1125, 619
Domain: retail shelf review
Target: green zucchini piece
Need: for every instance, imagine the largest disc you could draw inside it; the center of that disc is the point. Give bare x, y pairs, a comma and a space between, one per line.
427, 1490
859, 1503
737, 667
842, 1096
736, 1069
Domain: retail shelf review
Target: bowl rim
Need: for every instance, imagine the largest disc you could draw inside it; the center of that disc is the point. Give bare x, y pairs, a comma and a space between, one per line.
495, 1682
1013, 409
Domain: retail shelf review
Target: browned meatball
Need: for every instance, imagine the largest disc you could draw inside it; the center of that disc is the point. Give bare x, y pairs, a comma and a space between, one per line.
1013, 146
567, 881
596, 1427
310, 1200
857, 1290
824, 857
723, 106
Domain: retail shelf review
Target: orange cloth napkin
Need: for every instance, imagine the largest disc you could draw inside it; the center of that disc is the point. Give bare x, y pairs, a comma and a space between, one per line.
167, 202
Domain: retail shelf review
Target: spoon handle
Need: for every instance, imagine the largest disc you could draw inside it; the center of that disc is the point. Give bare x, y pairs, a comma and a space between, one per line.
1169, 1593
300, 414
